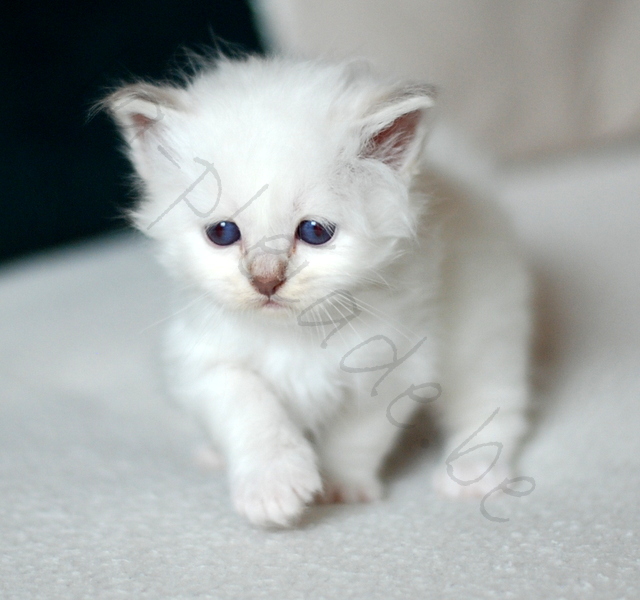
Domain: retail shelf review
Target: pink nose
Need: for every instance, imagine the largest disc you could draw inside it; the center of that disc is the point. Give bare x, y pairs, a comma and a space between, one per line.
267, 285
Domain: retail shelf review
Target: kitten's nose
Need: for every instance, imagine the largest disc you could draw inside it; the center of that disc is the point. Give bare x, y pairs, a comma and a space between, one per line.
267, 285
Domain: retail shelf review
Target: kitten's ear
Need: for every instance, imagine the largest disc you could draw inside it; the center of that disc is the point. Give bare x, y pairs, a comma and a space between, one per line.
145, 114
395, 129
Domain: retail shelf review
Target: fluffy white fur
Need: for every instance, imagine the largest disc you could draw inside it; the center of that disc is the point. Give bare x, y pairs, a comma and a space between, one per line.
419, 298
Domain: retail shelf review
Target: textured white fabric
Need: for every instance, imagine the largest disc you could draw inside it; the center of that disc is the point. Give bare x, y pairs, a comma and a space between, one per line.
517, 76
100, 495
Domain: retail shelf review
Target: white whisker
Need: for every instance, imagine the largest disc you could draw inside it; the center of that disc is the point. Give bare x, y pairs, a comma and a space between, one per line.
190, 304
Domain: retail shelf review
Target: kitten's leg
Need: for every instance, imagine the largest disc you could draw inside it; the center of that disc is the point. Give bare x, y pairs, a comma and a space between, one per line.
353, 448
484, 371
272, 467
482, 434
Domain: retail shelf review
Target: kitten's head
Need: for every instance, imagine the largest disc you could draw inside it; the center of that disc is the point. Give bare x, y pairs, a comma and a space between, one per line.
270, 183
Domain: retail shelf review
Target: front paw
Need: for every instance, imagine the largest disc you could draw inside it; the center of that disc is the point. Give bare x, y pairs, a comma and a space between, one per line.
338, 491
460, 482
275, 492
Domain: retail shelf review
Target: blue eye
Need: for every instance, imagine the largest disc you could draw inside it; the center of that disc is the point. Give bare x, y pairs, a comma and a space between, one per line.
223, 233
314, 233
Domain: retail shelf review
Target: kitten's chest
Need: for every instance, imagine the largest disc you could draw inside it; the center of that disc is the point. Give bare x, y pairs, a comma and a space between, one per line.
295, 366
311, 372
306, 378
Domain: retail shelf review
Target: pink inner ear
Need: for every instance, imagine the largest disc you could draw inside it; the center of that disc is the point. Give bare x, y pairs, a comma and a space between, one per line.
141, 122
390, 144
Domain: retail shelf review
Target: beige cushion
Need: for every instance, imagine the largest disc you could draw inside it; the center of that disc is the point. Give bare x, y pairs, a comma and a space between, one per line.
518, 76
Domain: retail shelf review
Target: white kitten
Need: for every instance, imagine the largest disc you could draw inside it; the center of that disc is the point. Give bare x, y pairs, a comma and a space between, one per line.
331, 284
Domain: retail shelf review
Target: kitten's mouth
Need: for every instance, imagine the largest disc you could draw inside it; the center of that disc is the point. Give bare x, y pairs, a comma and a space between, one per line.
276, 303
270, 303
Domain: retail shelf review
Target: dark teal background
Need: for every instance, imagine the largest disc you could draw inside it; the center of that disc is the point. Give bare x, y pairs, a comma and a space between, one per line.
63, 177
